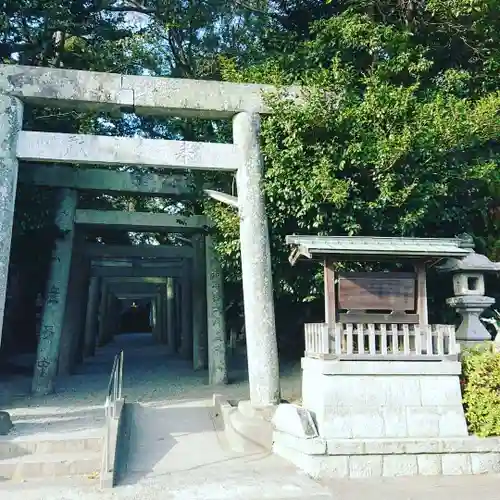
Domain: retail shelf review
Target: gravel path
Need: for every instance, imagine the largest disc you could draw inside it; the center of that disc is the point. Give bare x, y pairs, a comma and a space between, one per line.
149, 375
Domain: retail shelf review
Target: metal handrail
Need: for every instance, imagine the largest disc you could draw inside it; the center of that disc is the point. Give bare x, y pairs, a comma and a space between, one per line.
111, 408
115, 386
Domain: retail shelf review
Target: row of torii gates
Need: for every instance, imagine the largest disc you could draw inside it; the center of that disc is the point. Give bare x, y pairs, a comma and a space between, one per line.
184, 282
88, 281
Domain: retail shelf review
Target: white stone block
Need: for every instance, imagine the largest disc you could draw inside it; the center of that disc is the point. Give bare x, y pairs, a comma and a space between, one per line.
340, 391
456, 464
380, 368
485, 463
359, 390
312, 446
423, 445
345, 447
471, 444
403, 390
313, 392
384, 447
399, 465
452, 422
422, 422
294, 420
335, 425
429, 465
334, 466
365, 466
395, 424
367, 423
309, 464
440, 390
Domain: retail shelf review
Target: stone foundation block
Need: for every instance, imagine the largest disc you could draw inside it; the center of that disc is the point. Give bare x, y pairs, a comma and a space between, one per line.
484, 463
365, 466
359, 458
429, 465
399, 465
456, 464
370, 400
309, 446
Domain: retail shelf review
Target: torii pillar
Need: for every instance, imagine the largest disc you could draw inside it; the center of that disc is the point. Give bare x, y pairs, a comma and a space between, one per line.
216, 325
11, 121
199, 302
92, 317
260, 329
55, 297
74, 316
169, 315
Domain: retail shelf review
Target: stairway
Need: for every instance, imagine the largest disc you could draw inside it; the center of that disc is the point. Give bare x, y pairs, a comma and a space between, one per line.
72, 454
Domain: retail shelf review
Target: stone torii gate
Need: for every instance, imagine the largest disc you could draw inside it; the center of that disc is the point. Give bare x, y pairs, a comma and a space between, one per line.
57, 345
96, 250
159, 96
157, 293
162, 276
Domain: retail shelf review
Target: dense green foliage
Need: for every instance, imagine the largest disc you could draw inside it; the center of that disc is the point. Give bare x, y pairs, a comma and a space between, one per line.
481, 390
393, 139
398, 134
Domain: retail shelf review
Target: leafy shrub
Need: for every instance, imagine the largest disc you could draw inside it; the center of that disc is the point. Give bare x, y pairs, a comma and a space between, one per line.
481, 389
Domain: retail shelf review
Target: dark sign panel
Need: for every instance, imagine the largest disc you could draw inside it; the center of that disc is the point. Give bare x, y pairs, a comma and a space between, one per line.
377, 291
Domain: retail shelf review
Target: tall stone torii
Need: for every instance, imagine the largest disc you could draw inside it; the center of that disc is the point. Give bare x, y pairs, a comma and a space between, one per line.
243, 103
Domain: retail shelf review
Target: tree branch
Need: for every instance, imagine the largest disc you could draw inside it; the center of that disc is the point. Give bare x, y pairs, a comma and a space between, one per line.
131, 8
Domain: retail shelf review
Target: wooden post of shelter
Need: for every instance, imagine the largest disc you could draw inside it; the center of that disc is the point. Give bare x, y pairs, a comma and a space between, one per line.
422, 310
330, 306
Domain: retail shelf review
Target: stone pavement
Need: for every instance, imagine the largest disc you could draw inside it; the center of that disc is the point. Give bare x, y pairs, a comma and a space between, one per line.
260, 478
485, 487
179, 453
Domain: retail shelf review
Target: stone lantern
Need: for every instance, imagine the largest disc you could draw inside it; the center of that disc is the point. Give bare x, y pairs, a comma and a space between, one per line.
469, 300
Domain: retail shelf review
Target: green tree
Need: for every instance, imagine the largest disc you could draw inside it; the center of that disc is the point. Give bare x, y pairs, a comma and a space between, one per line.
397, 134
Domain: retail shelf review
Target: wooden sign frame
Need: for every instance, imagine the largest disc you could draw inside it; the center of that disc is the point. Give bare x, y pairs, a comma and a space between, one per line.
395, 291
409, 310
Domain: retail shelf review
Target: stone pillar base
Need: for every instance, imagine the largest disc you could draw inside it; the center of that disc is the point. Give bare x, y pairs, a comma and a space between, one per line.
247, 429
5, 423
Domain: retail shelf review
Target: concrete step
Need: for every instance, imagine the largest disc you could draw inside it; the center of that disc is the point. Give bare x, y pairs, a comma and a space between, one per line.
22, 446
50, 465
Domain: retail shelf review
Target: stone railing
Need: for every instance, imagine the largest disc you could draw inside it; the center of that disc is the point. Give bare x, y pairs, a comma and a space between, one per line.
380, 341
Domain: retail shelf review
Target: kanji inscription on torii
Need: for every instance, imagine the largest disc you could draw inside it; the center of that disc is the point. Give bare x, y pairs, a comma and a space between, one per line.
377, 291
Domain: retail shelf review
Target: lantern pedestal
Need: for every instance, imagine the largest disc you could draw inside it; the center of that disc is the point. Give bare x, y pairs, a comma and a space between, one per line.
471, 331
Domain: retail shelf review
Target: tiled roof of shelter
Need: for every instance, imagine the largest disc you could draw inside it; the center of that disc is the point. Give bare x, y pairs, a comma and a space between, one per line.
310, 246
